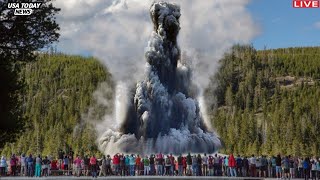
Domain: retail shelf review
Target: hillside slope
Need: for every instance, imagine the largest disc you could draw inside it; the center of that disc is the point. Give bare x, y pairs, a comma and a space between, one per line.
261, 102
58, 91
267, 102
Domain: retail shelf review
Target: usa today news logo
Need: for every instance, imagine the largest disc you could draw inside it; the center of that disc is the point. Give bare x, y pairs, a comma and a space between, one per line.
24, 8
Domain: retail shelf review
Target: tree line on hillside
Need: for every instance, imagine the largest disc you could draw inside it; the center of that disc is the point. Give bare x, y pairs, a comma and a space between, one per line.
58, 91
267, 102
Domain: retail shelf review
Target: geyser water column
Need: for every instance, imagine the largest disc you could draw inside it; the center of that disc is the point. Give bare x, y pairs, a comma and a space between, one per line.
163, 114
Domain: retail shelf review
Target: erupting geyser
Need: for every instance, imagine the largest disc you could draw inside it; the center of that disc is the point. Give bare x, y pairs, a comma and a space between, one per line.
163, 115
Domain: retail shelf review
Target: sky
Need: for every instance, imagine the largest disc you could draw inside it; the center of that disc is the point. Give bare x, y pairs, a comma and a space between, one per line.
281, 25
278, 24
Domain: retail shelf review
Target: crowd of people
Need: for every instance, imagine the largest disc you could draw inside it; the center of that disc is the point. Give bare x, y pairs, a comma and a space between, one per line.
161, 165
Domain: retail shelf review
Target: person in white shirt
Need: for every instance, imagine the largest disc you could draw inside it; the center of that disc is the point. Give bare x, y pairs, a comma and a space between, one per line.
314, 169
3, 166
23, 171
205, 165
252, 164
216, 166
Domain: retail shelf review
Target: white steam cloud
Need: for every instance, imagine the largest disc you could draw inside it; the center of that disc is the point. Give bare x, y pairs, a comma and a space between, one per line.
117, 32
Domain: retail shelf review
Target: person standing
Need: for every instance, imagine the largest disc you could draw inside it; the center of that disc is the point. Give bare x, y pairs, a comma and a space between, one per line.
205, 165
189, 164
3, 166
54, 166
252, 163
292, 167
300, 168
194, 165
141, 167
264, 166
226, 166
66, 164
306, 168
127, 164
108, 166
172, 167
245, 167
258, 166
102, 171
38, 166
132, 164
116, 164
23, 170
30, 166
313, 169
167, 165
286, 165
93, 164
216, 165
152, 165
221, 165
146, 165
86, 163
13, 165
295, 165
45, 167
210, 165
199, 168
232, 166
159, 164
272, 167
138, 165
77, 163
71, 158
278, 166
318, 168
184, 163
122, 160
239, 165
180, 165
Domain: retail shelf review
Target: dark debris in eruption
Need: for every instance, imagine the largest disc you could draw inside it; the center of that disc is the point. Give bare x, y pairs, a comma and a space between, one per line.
163, 112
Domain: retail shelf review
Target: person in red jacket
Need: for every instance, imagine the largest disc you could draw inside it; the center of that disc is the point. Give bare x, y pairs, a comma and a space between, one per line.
232, 166
184, 163
93, 164
116, 163
138, 165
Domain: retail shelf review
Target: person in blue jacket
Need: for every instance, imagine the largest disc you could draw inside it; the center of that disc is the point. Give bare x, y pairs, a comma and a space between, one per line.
30, 165
132, 162
127, 163
306, 168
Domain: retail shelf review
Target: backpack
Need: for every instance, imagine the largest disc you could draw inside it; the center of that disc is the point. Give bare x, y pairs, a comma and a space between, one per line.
86, 161
30, 161
239, 162
12, 162
168, 161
